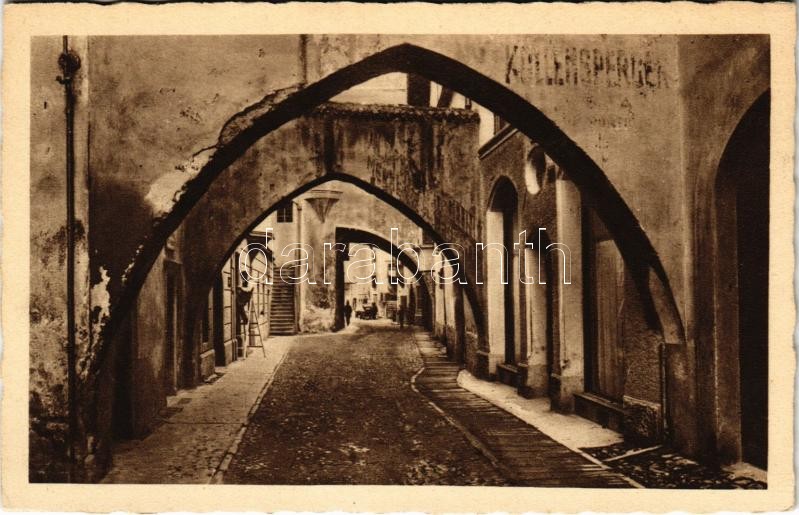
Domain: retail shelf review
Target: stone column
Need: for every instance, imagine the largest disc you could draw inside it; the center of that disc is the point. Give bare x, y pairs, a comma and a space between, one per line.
536, 329
495, 293
570, 296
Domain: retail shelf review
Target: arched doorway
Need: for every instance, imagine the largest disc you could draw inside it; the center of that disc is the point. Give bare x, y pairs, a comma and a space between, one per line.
204, 309
501, 278
741, 279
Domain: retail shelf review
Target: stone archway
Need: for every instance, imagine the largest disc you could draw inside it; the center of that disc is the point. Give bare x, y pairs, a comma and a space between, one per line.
119, 271
348, 235
289, 162
244, 130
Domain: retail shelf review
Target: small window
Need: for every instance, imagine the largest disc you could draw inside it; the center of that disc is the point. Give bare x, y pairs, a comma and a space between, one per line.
499, 124
285, 214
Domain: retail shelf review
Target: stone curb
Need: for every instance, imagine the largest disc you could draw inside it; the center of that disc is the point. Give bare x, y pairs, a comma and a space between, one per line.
218, 474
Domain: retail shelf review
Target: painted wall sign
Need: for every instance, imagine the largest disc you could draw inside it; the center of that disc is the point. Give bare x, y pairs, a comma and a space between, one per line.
575, 66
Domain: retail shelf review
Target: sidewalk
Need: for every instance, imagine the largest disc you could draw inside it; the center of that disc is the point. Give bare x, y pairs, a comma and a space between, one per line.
572, 431
525, 454
201, 424
651, 467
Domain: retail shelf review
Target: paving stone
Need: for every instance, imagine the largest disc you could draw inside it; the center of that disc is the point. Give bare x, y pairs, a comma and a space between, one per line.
341, 411
528, 456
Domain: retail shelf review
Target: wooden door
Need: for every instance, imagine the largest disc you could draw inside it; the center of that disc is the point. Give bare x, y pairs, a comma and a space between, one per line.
240, 332
171, 336
218, 323
608, 293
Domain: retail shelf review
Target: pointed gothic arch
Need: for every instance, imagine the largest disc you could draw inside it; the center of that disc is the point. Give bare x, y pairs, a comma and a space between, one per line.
244, 130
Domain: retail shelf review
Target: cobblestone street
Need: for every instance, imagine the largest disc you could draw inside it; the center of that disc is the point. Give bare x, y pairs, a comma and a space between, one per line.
374, 404
438, 258
341, 410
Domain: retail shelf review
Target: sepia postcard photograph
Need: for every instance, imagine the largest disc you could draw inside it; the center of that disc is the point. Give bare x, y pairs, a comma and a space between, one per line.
465, 258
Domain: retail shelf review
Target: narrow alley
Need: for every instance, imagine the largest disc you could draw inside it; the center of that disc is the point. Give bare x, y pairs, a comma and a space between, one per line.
372, 404
425, 273
376, 404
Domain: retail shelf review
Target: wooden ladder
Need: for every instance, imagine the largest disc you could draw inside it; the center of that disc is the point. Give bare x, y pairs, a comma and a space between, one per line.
254, 319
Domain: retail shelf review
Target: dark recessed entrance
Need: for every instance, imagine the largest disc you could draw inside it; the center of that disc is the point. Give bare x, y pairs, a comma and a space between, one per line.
742, 239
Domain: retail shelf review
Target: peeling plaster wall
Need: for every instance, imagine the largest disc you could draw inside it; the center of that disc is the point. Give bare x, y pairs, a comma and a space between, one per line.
48, 396
48, 335
145, 125
148, 125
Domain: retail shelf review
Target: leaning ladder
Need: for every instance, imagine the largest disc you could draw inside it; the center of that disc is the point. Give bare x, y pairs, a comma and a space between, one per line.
254, 319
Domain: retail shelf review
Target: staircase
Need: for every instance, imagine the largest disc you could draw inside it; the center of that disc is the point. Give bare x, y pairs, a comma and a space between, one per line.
281, 313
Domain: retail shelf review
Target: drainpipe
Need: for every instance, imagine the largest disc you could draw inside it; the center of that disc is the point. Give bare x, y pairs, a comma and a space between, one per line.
69, 62
298, 288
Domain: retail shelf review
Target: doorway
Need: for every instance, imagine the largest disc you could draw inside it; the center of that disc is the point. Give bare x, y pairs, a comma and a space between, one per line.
218, 323
604, 292
742, 285
501, 236
539, 320
240, 311
171, 336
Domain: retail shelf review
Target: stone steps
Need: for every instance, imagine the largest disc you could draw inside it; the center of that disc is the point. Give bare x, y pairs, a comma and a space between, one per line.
281, 313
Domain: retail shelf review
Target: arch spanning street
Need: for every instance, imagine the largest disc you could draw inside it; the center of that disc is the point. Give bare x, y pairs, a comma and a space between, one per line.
420, 285
244, 130
595, 315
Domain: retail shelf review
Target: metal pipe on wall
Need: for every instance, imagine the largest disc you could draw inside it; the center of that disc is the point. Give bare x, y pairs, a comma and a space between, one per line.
69, 62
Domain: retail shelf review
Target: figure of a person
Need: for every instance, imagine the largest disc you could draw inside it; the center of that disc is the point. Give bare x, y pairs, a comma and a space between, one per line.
347, 313
243, 296
401, 316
